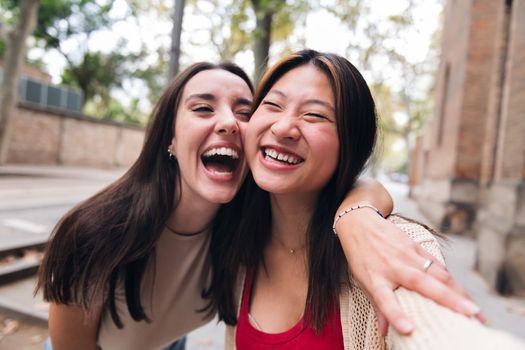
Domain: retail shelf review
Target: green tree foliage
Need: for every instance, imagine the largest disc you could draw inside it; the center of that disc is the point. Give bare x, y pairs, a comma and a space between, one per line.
226, 25
250, 25
275, 22
62, 20
59, 20
154, 75
95, 73
409, 95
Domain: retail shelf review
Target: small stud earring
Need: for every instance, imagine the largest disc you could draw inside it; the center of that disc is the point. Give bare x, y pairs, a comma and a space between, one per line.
171, 155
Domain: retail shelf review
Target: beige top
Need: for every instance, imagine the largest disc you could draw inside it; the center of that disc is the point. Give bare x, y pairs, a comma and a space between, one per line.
182, 271
436, 327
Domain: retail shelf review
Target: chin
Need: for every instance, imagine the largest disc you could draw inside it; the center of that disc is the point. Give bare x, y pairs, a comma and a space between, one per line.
221, 197
272, 186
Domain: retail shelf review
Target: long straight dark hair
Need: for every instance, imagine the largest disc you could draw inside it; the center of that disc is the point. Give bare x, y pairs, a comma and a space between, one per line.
109, 239
241, 241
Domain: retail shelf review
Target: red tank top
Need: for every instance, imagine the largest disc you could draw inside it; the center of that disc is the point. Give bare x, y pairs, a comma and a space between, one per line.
299, 337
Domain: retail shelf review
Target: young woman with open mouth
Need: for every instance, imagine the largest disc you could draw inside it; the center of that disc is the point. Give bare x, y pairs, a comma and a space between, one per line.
126, 269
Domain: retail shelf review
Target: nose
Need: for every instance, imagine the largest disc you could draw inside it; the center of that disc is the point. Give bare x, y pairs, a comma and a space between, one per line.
227, 124
286, 129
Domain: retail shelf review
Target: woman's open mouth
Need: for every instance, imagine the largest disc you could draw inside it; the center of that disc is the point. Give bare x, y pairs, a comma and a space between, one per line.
221, 161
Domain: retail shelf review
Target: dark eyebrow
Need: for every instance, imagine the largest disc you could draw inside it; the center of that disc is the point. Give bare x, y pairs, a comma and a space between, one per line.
207, 97
243, 101
211, 97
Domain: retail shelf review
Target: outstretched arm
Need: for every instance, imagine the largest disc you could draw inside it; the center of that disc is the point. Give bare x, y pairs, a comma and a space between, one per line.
382, 258
436, 327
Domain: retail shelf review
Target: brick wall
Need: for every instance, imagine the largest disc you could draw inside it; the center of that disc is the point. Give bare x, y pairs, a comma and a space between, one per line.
474, 148
461, 138
35, 137
462, 131
481, 82
501, 222
511, 152
45, 136
443, 130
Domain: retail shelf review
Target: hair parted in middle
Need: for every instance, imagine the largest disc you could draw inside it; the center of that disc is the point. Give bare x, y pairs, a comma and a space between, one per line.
243, 227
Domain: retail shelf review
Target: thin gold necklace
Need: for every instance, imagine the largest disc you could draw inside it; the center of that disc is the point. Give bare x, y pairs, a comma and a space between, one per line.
292, 251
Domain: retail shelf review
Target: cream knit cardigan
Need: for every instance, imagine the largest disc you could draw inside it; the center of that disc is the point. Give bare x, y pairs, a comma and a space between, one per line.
436, 327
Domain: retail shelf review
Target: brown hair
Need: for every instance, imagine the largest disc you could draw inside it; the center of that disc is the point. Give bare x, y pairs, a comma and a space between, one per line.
109, 239
241, 241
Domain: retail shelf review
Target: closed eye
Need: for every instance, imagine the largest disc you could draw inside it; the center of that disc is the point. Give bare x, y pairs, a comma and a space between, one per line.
202, 109
270, 103
244, 114
317, 115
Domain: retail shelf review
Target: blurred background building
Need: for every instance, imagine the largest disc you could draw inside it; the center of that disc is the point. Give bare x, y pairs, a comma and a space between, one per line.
468, 166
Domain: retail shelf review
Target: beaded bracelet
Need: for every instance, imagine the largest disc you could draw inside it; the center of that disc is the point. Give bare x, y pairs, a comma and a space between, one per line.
343, 213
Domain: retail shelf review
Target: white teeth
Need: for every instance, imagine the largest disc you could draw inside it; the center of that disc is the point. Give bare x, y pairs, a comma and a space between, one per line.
273, 154
222, 173
223, 151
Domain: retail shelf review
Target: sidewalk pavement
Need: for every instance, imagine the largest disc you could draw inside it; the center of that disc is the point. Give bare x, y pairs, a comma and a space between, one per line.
24, 187
34, 186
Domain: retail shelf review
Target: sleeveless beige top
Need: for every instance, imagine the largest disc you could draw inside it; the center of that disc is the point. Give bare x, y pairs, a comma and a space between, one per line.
171, 299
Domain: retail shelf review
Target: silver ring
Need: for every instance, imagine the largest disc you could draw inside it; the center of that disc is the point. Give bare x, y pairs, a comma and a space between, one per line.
427, 264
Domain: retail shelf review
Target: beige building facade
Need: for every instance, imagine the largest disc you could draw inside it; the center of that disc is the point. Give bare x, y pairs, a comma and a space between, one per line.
468, 167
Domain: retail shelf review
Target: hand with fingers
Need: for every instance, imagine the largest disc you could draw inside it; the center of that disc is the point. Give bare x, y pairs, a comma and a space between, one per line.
382, 258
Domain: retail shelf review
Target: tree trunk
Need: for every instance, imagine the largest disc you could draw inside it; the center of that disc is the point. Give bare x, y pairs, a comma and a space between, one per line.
262, 36
178, 14
15, 45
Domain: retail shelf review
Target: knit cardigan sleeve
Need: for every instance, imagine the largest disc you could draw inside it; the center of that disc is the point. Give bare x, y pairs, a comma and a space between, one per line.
437, 327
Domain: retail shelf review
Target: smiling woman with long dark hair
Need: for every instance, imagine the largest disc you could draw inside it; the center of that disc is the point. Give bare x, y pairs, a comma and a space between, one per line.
281, 280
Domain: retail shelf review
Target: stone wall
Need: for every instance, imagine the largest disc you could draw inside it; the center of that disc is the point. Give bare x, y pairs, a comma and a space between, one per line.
47, 136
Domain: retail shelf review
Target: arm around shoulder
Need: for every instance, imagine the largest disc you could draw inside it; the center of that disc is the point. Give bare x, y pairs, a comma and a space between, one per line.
71, 327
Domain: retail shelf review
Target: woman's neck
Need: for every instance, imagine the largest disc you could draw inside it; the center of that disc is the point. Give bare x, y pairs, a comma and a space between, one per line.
191, 215
291, 214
